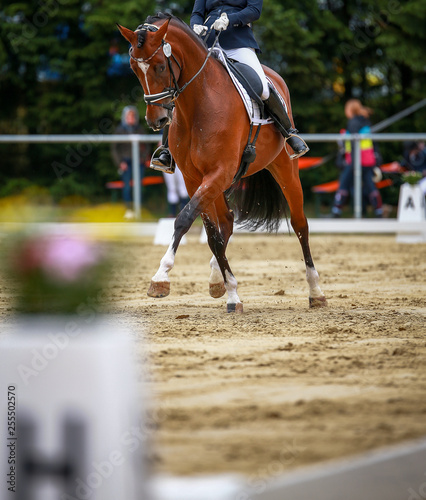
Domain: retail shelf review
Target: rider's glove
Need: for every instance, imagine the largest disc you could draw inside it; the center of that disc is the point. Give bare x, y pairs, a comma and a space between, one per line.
222, 23
200, 29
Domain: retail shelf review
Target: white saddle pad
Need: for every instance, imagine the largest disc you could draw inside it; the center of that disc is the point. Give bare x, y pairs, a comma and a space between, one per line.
250, 104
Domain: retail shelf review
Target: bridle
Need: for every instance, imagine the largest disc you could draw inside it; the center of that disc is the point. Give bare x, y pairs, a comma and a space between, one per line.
169, 92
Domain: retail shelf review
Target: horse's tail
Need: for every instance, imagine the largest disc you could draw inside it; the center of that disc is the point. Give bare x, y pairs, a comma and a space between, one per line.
258, 202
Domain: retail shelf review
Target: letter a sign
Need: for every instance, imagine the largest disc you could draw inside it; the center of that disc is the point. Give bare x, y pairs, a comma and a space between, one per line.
410, 203
411, 206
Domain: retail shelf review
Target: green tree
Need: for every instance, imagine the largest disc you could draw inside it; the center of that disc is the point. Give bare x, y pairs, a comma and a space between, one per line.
331, 50
55, 74
54, 78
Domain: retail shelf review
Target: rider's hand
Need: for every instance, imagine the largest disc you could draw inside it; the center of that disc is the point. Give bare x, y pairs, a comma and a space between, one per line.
222, 23
200, 29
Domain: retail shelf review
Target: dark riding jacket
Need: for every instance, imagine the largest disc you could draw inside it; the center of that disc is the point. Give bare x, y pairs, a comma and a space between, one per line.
241, 14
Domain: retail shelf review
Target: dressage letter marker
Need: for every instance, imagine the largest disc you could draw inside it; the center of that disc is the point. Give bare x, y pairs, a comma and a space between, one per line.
164, 232
411, 208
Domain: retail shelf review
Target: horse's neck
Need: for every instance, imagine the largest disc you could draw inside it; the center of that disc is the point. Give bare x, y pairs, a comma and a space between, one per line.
192, 56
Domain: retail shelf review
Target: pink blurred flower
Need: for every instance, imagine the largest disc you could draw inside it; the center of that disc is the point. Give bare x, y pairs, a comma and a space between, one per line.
60, 258
68, 259
55, 274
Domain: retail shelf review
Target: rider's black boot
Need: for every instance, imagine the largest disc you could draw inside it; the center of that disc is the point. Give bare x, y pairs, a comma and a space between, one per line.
277, 112
162, 158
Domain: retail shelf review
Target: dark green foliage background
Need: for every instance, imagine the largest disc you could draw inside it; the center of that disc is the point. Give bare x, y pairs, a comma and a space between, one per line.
327, 51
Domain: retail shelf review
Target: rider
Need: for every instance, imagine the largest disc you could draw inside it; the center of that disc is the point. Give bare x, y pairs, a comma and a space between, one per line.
234, 18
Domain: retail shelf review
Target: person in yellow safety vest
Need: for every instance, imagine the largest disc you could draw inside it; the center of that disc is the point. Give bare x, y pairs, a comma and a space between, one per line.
358, 122
368, 156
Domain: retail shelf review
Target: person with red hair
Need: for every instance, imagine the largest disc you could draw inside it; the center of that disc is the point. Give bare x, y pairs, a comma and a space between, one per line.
358, 122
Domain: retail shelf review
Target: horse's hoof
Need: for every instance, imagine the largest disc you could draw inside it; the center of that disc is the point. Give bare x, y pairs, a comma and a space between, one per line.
159, 289
217, 290
235, 308
317, 302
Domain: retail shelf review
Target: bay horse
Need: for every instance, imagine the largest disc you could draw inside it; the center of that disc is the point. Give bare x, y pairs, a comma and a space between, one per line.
209, 128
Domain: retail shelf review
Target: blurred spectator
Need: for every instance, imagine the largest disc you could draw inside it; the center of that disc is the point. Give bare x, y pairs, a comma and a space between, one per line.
415, 156
358, 122
177, 195
119, 62
122, 154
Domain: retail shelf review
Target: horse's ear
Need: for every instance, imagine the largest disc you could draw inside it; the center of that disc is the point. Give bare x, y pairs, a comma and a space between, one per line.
129, 35
161, 32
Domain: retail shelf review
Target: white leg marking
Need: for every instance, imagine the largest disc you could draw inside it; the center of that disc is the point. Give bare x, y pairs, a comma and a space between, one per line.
312, 278
231, 288
166, 264
216, 275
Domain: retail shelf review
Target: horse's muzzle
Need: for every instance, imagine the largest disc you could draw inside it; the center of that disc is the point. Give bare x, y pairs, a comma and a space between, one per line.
159, 123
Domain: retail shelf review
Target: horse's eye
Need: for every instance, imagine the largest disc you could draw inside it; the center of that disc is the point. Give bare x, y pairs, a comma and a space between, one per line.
160, 68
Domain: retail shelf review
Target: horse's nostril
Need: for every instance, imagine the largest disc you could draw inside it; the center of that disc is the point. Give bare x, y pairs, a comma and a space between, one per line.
163, 122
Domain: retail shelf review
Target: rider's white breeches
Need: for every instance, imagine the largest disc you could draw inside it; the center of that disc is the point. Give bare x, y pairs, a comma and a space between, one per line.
249, 57
176, 189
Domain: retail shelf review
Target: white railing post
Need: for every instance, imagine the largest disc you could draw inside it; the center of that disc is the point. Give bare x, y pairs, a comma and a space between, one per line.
357, 178
137, 188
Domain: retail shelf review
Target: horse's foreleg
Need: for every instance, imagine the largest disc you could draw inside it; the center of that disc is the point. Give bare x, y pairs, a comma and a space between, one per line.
219, 226
160, 282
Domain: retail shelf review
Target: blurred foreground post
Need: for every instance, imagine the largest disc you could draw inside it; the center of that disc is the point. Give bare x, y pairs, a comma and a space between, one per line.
70, 405
71, 429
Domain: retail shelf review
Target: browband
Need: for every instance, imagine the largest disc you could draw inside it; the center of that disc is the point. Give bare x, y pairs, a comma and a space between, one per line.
147, 27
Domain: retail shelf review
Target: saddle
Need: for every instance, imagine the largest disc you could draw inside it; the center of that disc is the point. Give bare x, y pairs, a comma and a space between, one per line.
248, 84
248, 78
250, 88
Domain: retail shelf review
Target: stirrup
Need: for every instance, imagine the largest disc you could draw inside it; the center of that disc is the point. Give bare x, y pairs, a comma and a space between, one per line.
157, 164
295, 155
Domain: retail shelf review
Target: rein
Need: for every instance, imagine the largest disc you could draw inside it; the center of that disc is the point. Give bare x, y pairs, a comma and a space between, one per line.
170, 92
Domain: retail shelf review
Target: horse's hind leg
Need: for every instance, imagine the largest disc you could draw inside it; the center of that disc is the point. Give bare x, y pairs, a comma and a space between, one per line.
216, 283
219, 221
316, 296
287, 177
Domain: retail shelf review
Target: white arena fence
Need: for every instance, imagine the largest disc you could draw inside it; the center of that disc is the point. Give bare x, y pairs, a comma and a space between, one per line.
120, 230
135, 139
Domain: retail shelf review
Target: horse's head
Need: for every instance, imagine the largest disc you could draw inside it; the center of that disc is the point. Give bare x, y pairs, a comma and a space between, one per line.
149, 54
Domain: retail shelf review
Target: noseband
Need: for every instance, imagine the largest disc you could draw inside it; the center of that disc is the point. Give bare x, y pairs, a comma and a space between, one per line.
169, 92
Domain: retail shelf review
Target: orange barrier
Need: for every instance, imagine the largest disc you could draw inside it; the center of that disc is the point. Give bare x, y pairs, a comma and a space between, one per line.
333, 186
146, 181
309, 162
327, 187
392, 168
